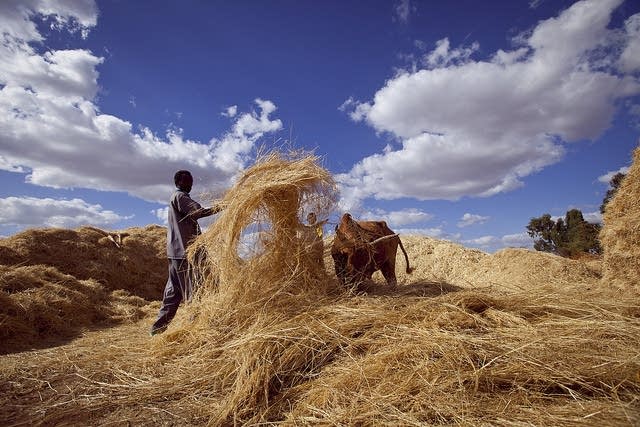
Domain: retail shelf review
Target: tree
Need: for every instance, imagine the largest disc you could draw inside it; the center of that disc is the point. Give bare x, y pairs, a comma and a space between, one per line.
614, 184
545, 233
566, 237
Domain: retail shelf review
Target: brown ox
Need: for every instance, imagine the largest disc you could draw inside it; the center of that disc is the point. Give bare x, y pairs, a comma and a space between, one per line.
362, 247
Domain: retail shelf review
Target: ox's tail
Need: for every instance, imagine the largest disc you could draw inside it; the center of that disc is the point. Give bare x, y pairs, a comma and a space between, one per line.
406, 258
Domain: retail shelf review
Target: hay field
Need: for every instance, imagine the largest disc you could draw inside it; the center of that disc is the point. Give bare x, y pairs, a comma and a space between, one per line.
513, 338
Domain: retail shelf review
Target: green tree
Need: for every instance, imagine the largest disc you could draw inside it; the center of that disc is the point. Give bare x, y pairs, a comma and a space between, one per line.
566, 237
544, 231
614, 184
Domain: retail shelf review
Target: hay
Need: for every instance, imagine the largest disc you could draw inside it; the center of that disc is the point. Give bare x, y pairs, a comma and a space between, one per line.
56, 283
269, 339
269, 200
40, 307
139, 265
620, 235
510, 269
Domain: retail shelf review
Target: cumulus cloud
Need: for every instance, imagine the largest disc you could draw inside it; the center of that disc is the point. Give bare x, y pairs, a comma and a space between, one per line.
51, 129
630, 57
471, 219
593, 217
435, 232
230, 111
162, 214
35, 212
606, 178
398, 218
476, 128
443, 55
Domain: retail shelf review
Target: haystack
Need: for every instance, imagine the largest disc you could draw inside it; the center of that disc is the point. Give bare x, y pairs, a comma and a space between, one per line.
137, 263
39, 307
510, 269
620, 235
56, 283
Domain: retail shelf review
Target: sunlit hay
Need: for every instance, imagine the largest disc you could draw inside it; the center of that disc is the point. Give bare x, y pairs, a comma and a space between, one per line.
269, 200
546, 356
566, 362
38, 305
137, 263
510, 269
620, 234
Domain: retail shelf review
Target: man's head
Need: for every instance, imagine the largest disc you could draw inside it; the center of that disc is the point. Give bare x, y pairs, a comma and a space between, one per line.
183, 180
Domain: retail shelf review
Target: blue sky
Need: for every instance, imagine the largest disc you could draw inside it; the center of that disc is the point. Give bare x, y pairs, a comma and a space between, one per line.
459, 120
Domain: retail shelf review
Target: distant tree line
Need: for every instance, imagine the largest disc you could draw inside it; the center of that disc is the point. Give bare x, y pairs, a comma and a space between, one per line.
572, 235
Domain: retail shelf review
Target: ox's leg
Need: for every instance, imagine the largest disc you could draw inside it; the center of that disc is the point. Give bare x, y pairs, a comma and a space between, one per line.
340, 265
388, 270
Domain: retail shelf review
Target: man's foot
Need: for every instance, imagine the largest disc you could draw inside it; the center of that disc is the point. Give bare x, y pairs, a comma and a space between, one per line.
159, 330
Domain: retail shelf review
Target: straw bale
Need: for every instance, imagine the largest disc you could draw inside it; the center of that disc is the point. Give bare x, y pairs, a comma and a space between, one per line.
620, 234
138, 265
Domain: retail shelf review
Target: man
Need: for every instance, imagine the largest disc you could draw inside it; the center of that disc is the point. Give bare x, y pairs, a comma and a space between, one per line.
183, 227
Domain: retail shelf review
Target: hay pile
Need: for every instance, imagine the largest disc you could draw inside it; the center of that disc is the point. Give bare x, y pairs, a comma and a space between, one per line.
441, 261
137, 265
620, 236
54, 283
272, 339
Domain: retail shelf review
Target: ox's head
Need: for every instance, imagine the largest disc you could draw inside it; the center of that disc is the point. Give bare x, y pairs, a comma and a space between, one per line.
347, 227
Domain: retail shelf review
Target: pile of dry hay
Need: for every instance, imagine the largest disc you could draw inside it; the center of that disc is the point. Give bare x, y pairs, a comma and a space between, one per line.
620, 235
138, 264
269, 338
55, 282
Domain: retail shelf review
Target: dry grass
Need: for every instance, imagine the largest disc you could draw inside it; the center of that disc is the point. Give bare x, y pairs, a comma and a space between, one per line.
620, 235
54, 282
515, 338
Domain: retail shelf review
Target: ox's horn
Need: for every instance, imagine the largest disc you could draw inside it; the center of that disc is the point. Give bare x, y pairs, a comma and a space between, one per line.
380, 239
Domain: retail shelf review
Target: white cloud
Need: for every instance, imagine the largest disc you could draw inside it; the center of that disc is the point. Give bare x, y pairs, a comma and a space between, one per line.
51, 128
477, 128
630, 57
493, 243
471, 219
398, 218
443, 56
230, 111
162, 214
593, 217
15, 16
483, 241
435, 232
606, 178
35, 212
